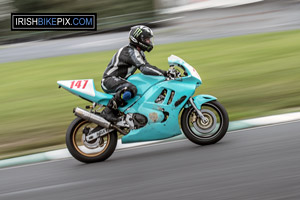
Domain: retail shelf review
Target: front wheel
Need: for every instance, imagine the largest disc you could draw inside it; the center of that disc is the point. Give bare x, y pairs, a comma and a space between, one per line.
205, 132
96, 150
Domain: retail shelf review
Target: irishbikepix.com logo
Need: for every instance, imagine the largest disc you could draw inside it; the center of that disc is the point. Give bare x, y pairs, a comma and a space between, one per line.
54, 21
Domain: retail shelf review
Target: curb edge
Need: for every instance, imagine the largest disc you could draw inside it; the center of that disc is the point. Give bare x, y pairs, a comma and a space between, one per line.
64, 153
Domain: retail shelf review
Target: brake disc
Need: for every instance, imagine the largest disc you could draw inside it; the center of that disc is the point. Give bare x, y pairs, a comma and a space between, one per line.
208, 125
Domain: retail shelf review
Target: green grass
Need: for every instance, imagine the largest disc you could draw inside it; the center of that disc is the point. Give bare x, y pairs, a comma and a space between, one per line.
254, 75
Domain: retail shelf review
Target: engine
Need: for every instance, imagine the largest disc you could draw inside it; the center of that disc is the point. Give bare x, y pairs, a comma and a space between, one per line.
136, 120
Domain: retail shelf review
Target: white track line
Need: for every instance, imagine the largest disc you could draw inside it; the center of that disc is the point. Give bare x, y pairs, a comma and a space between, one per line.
38, 189
148, 145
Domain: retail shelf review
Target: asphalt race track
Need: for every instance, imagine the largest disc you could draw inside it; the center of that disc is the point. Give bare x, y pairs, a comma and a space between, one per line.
268, 16
261, 163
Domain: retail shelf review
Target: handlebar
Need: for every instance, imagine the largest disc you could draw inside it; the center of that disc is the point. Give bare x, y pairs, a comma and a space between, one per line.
173, 73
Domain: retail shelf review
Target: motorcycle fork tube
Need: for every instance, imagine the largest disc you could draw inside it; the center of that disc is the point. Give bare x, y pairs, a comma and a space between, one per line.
202, 117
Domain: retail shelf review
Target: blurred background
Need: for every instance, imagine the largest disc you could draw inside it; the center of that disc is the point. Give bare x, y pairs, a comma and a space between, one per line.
246, 51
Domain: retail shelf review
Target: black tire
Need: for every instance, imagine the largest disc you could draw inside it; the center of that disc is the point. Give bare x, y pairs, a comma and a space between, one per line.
76, 152
203, 139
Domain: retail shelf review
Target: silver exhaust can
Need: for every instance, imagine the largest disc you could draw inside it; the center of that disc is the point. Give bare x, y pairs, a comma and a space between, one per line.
91, 117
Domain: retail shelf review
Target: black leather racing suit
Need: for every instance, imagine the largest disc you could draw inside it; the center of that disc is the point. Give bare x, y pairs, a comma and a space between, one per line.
123, 64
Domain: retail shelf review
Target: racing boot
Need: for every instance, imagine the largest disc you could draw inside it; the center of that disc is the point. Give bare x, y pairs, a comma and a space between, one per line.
110, 112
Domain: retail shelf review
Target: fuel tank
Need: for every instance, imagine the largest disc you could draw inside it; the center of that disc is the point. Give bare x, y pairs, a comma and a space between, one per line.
144, 82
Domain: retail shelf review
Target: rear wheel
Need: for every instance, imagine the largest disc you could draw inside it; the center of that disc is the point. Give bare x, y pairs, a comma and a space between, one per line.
205, 132
96, 150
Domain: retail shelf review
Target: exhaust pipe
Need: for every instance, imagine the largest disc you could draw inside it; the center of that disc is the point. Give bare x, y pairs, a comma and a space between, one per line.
79, 112
91, 117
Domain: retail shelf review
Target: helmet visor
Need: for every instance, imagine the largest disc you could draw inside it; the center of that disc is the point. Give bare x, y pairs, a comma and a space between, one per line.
149, 41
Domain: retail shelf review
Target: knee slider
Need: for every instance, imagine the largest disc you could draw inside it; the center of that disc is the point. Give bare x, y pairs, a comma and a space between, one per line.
126, 95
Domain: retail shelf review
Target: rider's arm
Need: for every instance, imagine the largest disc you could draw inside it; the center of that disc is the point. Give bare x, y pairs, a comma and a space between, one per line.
142, 64
148, 69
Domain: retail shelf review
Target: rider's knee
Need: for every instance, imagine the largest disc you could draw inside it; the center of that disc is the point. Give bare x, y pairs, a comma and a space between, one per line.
133, 90
129, 92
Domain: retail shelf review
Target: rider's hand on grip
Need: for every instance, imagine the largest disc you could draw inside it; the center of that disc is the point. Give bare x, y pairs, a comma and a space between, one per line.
171, 73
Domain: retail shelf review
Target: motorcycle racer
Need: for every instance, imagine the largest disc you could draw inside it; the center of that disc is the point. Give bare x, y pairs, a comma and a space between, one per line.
124, 64
91, 138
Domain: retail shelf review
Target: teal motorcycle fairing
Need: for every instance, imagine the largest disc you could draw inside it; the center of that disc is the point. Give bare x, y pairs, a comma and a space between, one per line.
162, 114
203, 98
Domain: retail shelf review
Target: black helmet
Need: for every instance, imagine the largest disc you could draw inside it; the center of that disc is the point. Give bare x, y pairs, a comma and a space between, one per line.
140, 36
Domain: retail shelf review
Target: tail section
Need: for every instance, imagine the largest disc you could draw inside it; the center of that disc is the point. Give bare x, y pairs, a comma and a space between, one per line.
85, 88
79, 87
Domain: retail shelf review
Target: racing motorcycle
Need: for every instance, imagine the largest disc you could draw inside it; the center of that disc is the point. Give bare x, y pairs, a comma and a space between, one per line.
153, 114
